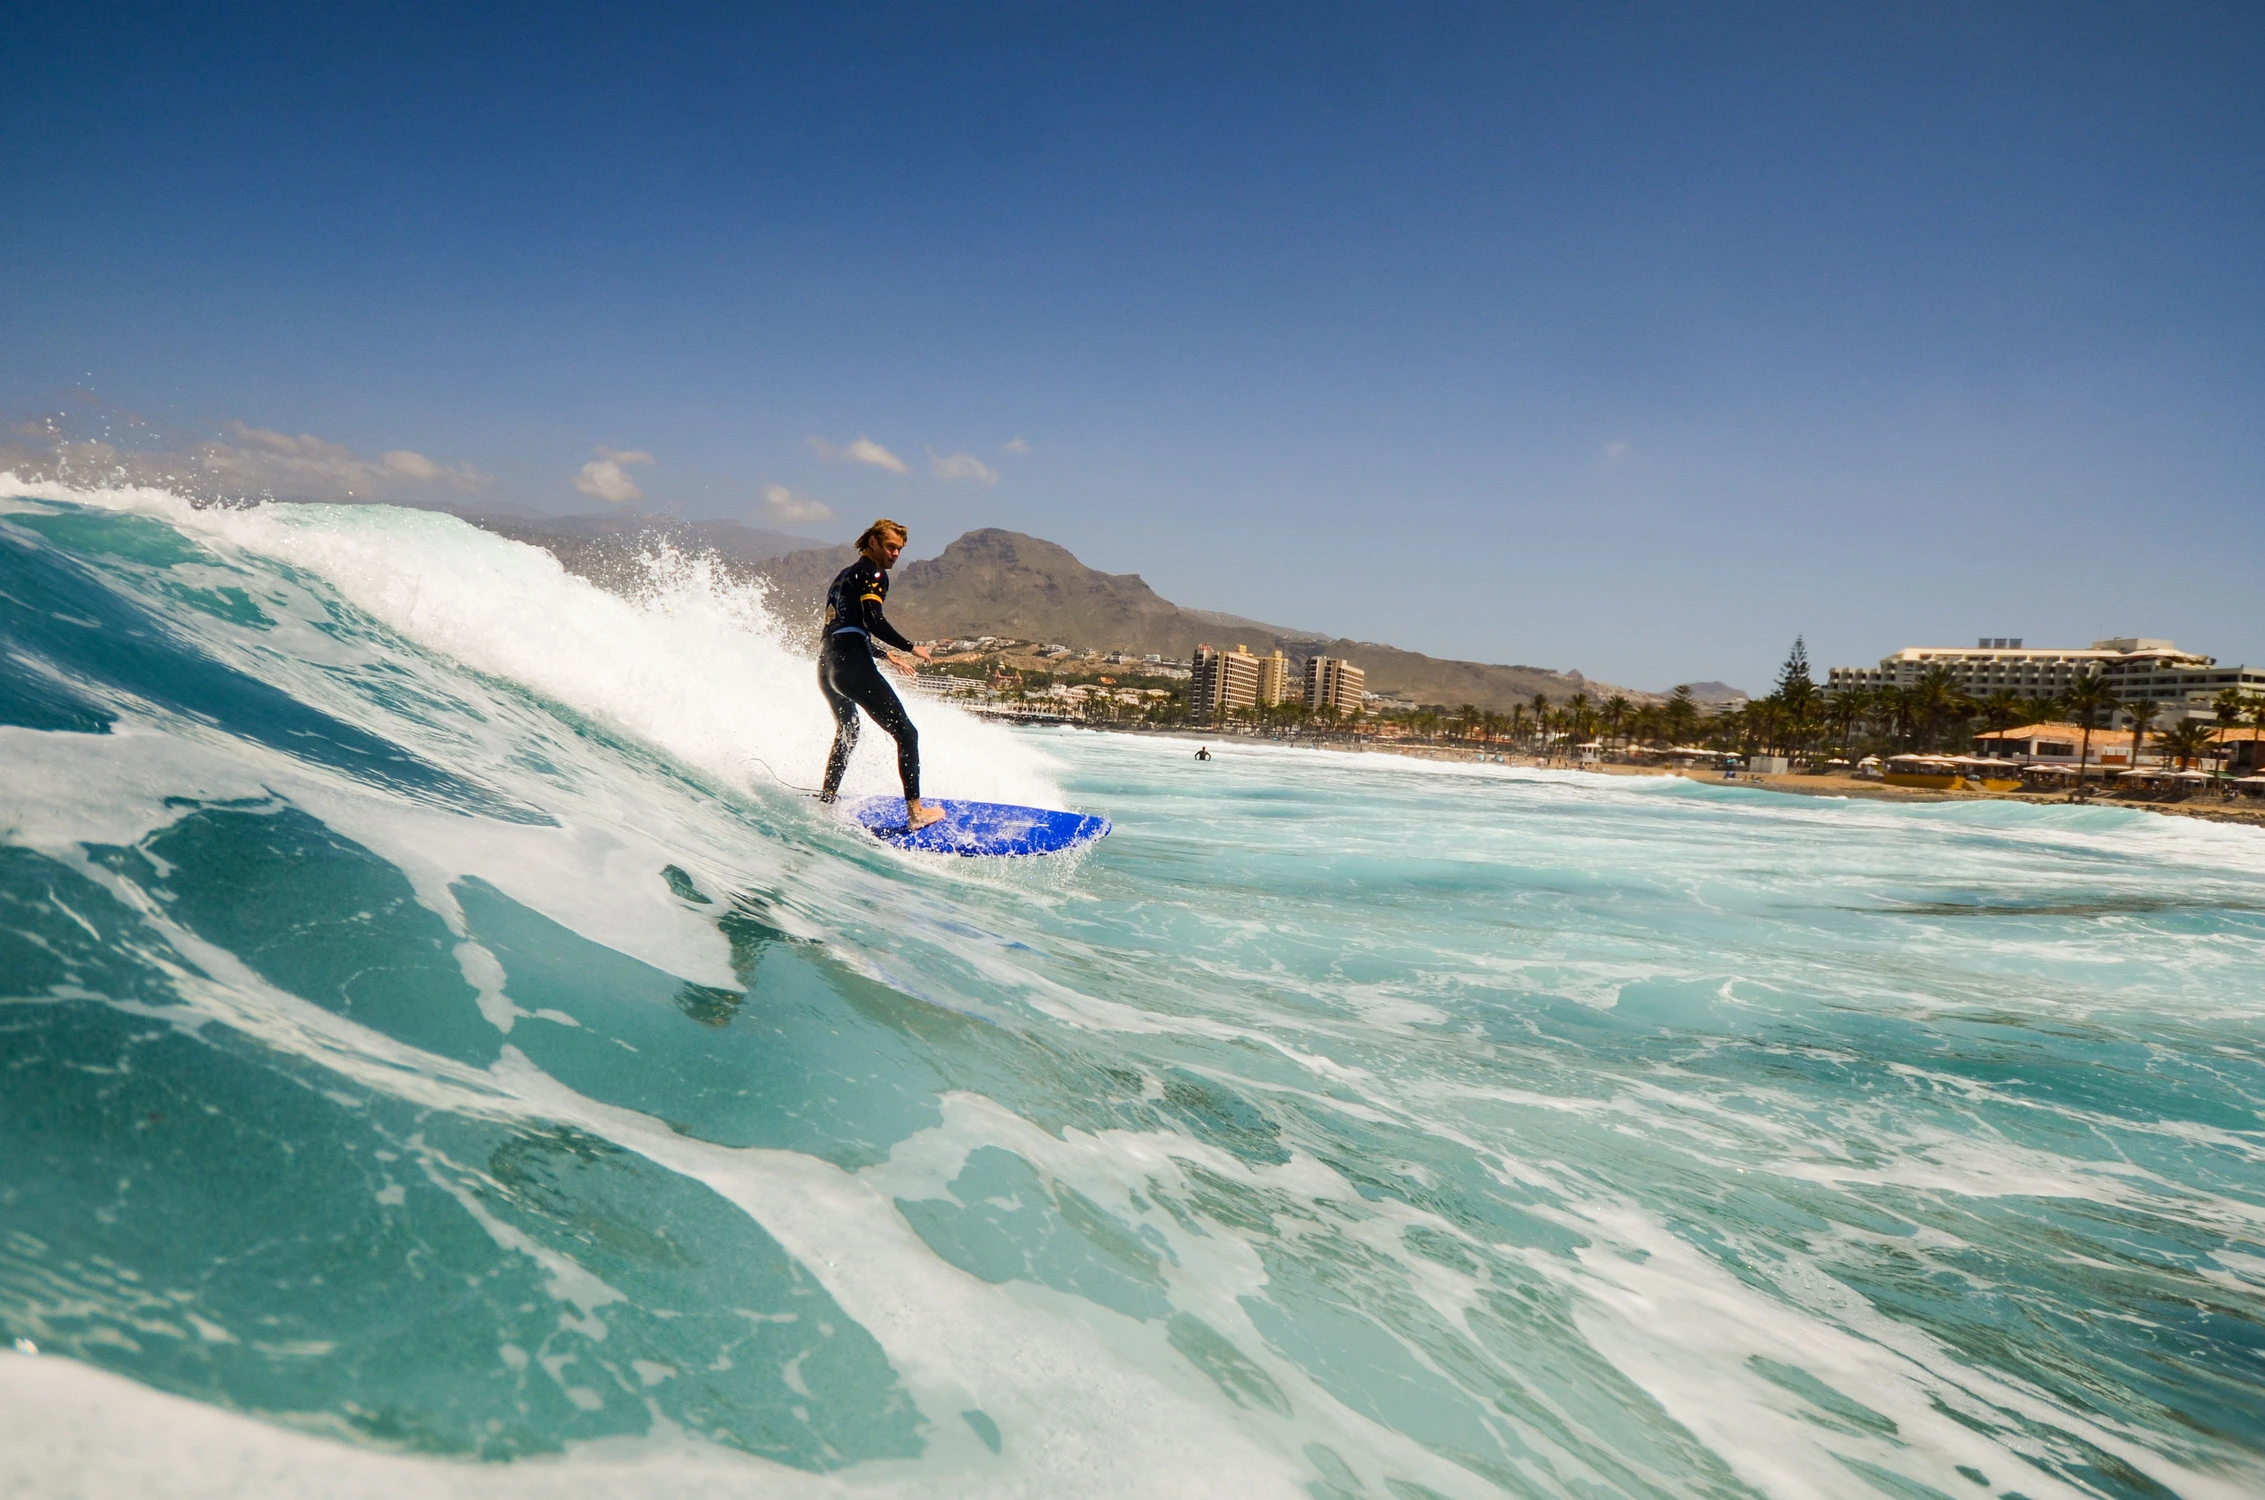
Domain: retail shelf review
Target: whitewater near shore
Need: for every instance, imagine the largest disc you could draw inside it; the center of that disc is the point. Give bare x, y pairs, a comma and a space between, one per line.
445, 1054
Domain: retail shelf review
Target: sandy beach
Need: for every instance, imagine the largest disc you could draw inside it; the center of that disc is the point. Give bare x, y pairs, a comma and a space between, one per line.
1834, 785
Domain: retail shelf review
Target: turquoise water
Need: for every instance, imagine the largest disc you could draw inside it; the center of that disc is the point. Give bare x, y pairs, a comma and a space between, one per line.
440, 1053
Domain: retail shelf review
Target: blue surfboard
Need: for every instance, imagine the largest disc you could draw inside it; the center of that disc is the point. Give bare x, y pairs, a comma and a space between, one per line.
974, 828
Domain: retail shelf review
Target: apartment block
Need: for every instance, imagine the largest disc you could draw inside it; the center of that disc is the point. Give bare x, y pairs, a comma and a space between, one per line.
1223, 683
1273, 679
1334, 684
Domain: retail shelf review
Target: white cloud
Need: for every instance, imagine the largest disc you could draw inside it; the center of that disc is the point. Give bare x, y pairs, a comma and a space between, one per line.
283, 442
606, 476
1016, 445
783, 504
863, 451
951, 466
263, 460
1615, 451
250, 463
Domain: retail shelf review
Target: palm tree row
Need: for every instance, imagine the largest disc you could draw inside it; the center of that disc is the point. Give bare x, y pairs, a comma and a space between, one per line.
1798, 719
1932, 713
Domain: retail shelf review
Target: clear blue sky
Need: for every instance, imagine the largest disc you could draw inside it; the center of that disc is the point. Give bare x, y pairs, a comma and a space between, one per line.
1632, 339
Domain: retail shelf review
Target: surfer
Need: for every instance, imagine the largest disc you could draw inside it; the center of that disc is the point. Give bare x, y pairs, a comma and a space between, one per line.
1203, 752
855, 633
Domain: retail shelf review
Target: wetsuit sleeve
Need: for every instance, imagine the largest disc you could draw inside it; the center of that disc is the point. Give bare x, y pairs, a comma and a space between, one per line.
877, 626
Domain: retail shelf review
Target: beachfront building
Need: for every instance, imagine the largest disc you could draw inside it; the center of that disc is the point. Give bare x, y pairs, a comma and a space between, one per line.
2055, 745
2243, 750
1273, 679
2183, 684
1335, 685
1223, 682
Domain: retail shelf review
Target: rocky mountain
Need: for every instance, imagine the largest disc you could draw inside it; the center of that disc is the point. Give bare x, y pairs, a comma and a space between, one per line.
1002, 583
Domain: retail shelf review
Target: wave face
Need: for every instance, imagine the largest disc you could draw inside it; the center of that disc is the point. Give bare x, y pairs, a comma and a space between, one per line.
442, 1057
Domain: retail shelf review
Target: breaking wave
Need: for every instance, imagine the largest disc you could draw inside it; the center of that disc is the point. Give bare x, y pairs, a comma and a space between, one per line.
445, 1054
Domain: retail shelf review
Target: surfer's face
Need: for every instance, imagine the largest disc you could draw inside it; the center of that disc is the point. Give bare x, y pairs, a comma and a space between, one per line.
885, 549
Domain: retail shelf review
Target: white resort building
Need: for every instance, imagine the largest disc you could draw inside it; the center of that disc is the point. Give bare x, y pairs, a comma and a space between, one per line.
2183, 684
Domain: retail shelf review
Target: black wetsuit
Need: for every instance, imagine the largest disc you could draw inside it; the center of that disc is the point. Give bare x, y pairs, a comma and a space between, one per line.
855, 629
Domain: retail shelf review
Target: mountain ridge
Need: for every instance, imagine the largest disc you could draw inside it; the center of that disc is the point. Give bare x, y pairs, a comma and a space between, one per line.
991, 581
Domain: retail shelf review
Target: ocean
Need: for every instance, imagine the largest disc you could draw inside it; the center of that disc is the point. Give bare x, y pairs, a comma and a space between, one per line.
444, 1054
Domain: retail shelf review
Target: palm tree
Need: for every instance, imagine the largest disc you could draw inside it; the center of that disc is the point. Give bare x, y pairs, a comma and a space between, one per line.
2143, 713
1616, 712
2004, 709
1935, 700
1682, 714
1843, 710
2188, 740
2085, 698
2231, 708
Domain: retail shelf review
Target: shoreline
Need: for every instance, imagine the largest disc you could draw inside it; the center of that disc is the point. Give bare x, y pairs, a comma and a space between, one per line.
1847, 786
1797, 783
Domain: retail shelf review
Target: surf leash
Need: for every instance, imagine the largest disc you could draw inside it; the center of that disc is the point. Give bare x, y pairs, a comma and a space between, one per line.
807, 791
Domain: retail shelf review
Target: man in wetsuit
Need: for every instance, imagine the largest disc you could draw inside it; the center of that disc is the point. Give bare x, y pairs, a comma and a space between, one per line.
855, 633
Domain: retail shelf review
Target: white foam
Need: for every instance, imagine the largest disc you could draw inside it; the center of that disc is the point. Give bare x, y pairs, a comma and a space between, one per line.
60, 1426
695, 665
1093, 1403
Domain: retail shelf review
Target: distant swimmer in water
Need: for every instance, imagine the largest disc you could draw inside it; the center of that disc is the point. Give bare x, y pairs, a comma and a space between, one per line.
1203, 752
855, 634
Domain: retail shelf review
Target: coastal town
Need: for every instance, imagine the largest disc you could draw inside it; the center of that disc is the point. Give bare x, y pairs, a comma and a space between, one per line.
2134, 719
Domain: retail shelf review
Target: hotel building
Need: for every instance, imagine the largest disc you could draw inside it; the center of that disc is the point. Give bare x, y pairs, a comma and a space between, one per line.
1224, 682
2183, 683
1273, 678
1334, 684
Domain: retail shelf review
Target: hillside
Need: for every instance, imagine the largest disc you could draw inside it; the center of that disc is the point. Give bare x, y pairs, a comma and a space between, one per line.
1002, 583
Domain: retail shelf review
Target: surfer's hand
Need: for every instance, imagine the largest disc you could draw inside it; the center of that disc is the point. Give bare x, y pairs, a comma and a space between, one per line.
923, 653
903, 663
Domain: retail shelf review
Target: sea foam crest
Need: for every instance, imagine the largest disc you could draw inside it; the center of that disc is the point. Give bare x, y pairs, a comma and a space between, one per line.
684, 657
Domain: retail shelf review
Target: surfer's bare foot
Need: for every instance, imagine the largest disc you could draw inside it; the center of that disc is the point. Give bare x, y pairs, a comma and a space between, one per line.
917, 816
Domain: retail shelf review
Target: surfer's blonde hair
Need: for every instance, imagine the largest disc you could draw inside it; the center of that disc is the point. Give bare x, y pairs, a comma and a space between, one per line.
881, 528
